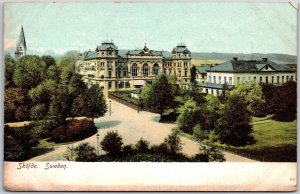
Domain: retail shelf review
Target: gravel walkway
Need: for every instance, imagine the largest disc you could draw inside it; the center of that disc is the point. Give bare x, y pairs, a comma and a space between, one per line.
132, 126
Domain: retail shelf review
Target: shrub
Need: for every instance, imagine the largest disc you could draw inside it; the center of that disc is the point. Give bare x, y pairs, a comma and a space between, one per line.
74, 130
112, 143
142, 146
82, 153
159, 149
128, 150
199, 133
18, 142
85, 153
173, 143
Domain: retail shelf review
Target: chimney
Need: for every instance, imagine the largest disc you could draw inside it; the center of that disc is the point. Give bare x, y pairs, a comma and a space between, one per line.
264, 59
235, 58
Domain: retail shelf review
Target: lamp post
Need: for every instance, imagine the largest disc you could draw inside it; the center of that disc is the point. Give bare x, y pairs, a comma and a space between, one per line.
110, 107
97, 136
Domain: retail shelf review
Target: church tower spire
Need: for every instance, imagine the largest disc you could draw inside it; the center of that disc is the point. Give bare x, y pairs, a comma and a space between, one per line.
21, 45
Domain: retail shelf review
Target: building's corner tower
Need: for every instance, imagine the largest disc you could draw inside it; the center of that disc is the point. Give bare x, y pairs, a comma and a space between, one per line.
21, 45
181, 56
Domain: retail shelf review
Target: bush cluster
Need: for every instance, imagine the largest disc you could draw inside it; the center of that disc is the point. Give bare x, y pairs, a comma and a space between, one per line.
18, 142
74, 130
168, 151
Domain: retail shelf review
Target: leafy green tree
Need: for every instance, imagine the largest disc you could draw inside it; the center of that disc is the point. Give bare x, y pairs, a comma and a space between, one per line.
43, 92
160, 95
186, 119
38, 111
253, 96
53, 73
69, 59
284, 103
59, 107
199, 133
49, 61
30, 70
96, 105
10, 64
16, 105
112, 143
234, 125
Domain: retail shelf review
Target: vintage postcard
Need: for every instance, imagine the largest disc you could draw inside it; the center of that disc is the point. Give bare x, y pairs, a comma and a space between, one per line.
150, 96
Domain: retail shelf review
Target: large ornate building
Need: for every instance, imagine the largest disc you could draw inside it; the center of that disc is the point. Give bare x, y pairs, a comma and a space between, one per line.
115, 69
21, 47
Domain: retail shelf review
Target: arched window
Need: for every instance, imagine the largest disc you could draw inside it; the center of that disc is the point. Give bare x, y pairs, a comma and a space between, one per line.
155, 69
134, 70
145, 69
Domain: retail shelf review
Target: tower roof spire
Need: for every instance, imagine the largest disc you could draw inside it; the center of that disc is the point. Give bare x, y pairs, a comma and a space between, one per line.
21, 39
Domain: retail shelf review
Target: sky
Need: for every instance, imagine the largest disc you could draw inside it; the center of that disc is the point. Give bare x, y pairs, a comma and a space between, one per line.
204, 27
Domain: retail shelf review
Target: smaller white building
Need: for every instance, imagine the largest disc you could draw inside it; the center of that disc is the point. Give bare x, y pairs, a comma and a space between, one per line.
230, 73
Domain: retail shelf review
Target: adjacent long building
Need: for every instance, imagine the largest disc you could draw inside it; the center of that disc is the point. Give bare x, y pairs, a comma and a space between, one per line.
237, 71
115, 69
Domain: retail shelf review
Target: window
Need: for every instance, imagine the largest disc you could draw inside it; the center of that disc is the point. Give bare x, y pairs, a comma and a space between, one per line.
230, 80
272, 79
217, 92
209, 79
109, 85
267, 79
220, 80
124, 73
109, 64
260, 79
155, 69
185, 73
238, 79
254, 78
109, 73
267, 67
179, 73
278, 79
287, 78
215, 80
282, 79
165, 72
225, 80
145, 69
119, 73
134, 70
292, 78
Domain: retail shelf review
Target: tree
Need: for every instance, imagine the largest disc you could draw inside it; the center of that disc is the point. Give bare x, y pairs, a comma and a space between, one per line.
85, 153
96, 105
112, 143
29, 72
10, 64
284, 103
49, 61
234, 127
253, 96
38, 112
186, 120
69, 59
199, 133
16, 104
160, 94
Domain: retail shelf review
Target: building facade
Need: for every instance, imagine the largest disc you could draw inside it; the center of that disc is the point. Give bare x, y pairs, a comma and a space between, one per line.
21, 47
230, 73
115, 69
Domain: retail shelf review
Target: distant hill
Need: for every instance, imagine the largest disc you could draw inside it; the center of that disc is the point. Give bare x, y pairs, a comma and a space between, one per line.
278, 58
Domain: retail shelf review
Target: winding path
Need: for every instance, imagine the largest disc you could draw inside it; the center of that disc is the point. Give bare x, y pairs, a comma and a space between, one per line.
132, 126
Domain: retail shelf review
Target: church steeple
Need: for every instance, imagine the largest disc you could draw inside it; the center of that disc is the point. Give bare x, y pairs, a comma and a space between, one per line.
21, 45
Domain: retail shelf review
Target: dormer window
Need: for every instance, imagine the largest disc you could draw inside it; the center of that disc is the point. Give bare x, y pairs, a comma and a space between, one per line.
102, 53
109, 53
267, 67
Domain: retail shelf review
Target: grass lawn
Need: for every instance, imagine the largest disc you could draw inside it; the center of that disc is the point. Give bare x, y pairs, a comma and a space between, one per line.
275, 141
